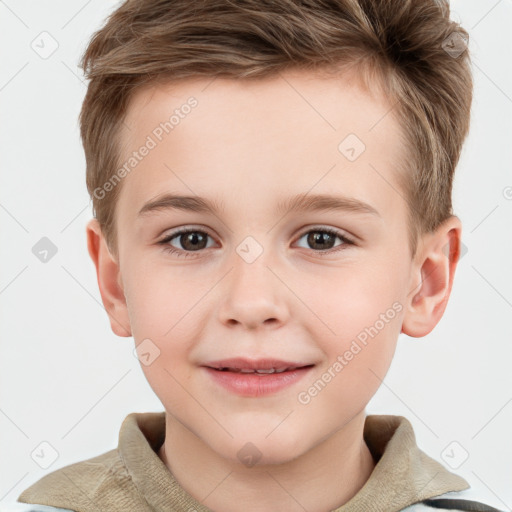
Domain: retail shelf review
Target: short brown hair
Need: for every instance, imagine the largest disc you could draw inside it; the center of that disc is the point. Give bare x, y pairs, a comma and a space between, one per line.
406, 46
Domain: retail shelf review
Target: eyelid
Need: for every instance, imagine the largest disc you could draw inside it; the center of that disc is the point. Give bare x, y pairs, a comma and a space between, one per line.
171, 233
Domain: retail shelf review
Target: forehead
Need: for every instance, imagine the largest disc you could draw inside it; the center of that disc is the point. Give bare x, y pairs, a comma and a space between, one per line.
327, 103
213, 137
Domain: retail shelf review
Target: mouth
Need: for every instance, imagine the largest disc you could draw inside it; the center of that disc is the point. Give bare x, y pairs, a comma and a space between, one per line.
256, 378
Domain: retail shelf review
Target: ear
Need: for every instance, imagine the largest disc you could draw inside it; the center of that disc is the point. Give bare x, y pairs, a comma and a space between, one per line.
432, 278
109, 280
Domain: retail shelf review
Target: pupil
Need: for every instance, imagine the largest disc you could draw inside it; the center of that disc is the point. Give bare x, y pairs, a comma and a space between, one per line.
322, 239
193, 238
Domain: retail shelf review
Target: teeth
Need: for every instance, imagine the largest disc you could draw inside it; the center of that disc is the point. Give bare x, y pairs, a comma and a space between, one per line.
259, 371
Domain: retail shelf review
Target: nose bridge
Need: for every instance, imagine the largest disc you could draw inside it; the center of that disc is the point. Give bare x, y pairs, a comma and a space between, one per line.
252, 294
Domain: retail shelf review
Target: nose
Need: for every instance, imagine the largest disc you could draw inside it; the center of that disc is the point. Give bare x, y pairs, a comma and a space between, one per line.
253, 295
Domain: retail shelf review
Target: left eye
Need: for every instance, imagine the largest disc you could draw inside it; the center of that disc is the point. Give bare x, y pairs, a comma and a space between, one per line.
323, 238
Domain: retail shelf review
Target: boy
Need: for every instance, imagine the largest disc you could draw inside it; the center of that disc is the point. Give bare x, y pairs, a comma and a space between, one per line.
271, 183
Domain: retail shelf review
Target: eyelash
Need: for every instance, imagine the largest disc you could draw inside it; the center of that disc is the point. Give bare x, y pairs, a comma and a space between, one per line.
182, 253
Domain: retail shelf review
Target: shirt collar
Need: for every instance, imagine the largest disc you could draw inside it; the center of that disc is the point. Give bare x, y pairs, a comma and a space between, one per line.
403, 474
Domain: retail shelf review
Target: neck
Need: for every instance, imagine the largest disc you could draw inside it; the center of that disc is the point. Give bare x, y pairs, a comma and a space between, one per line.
320, 480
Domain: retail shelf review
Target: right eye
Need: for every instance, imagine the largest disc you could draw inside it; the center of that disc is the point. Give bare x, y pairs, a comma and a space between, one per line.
191, 240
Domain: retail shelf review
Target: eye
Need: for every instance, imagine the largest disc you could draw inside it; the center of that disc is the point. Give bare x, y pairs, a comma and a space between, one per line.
191, 240
322, 239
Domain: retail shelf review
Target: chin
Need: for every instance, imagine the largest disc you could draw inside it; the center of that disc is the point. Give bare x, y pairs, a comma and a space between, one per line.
256, 451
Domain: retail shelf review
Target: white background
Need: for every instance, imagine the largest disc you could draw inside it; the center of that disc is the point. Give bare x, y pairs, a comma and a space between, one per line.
66, 379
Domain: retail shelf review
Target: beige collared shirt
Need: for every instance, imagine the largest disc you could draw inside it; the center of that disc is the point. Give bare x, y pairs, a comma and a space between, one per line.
133, 478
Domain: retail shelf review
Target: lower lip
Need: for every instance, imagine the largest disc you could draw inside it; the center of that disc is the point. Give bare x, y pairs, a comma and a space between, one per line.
254, 385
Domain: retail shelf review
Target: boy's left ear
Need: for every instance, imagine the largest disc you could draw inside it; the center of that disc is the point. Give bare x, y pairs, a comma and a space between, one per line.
432, 278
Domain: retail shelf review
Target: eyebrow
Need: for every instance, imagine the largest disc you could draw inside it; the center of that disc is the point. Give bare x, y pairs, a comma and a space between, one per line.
297, 203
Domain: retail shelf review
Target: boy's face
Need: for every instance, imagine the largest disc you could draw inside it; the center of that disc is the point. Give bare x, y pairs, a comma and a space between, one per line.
263, 282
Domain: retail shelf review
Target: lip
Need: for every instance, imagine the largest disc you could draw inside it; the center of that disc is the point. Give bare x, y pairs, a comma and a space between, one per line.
253, 384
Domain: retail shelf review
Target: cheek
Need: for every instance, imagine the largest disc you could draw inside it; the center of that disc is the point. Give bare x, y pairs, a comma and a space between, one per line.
161, 331
159, 300
160, 308
362, 309
354, 298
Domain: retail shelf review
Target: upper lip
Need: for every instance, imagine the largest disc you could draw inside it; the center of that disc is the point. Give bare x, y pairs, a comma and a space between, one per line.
241, 363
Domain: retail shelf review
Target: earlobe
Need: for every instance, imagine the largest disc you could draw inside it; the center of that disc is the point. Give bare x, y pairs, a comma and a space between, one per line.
432, 278
109, 280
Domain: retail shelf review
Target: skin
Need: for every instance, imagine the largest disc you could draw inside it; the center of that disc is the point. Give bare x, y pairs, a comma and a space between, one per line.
249, 145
